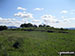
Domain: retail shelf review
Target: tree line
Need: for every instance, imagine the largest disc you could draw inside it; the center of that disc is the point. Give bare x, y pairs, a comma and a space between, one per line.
31, 25
28, 25
24, 25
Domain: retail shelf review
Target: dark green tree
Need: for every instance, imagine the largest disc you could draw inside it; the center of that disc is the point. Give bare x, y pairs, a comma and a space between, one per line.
3, 28
40, 26
47, 26
26, 25
35, 26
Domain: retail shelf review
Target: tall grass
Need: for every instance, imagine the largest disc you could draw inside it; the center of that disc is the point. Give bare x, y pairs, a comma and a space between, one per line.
36, 43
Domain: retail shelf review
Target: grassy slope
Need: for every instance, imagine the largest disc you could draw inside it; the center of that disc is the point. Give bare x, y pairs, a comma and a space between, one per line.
36, 43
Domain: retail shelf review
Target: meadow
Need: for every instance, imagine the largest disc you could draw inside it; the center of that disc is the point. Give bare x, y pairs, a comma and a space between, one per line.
35, 43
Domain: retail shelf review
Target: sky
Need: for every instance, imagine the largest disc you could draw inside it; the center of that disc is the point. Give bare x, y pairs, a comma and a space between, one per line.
56, 13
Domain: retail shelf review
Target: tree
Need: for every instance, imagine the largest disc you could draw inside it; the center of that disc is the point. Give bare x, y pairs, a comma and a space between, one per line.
26, 25
61, 28
43, 25
40, 26
3, 28
47, 26
35, 26
29, 25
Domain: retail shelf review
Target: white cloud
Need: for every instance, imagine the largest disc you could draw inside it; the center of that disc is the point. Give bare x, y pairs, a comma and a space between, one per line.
53, 21
64, 12
72, 11
24, 15
38, 9
49, 19
10, 22
20, 8
66, 19
72, 19
37, 22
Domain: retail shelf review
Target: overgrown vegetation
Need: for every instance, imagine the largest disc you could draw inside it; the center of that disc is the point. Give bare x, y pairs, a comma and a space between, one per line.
36, 41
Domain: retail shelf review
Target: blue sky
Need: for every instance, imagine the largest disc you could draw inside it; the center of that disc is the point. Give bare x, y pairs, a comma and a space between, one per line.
57, 13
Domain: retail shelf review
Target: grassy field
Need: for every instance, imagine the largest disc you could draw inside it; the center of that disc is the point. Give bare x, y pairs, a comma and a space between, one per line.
36, 43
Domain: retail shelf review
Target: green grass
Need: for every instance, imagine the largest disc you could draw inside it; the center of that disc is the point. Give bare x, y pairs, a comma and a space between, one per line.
36, 43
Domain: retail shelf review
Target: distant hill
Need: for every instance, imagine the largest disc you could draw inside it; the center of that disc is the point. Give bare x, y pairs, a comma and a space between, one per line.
13, 27
70, 28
